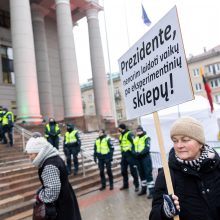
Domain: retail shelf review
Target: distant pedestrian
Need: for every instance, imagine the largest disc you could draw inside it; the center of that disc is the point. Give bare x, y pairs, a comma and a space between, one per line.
144, 163
52, 132
56, 191
7, 126
72, 145
126, 140
103, 150
195, 173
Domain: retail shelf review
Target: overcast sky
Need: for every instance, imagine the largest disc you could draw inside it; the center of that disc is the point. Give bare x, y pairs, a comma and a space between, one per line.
199, 22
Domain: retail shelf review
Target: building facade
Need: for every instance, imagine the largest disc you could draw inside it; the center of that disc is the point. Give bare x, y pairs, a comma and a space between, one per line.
38, 67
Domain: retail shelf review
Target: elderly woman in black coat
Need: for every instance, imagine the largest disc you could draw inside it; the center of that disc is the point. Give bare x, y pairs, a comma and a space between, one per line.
56, 192
195, 173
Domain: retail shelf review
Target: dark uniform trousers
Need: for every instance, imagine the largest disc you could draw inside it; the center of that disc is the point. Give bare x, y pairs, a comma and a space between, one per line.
145, 168
102, 163
72, 150
9, 131
128, 160
54, 140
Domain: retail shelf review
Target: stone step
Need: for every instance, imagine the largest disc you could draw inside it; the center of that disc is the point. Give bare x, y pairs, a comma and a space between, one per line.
13, 170
11, 165
15, 209
19, 176
22, 216
10, 158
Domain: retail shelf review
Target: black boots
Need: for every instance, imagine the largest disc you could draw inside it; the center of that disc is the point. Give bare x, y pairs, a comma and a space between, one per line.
150, 193
143, 191
124, 187
102, 188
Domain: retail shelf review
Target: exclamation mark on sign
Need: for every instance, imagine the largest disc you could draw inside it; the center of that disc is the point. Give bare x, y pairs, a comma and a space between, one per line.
171, 83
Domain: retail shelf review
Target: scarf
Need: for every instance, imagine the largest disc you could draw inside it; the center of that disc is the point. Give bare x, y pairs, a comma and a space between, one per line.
46, 152
207, 153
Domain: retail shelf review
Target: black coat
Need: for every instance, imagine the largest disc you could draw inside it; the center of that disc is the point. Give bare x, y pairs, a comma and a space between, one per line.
66, 204
198, 191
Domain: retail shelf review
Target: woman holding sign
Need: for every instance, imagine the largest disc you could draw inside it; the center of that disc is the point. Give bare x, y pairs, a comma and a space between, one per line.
195, 173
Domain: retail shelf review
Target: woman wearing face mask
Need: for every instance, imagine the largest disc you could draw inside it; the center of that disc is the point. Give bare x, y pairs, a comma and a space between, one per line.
144, 163
56, 191
195, 174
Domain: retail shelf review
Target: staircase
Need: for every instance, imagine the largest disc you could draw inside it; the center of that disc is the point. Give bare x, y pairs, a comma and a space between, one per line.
19, 179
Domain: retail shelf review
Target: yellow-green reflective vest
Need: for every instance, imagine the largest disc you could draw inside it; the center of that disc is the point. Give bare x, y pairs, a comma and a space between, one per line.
5, 118
139, 143
56, 128
102, 146
125, 144
70, 137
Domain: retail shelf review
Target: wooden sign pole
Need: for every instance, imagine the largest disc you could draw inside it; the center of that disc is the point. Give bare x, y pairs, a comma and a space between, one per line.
163, 157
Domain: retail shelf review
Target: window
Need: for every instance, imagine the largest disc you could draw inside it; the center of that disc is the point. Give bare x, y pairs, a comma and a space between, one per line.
7, 64
198, 87
213, 69
119, 115
215, 83
196, 72
90, 98
217, 98
4, 19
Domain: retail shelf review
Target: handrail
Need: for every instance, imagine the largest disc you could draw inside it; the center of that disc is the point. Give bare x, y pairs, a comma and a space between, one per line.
24, 133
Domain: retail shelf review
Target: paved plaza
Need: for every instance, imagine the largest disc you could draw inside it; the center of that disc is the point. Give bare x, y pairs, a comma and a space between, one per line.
116, 204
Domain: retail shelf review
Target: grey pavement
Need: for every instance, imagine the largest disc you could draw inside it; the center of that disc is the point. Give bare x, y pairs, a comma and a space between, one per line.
116, 204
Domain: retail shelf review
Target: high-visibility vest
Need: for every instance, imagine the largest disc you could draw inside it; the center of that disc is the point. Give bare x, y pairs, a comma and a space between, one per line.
5, 118
125, 144
70, 137
139, 143
102, 145
56, 129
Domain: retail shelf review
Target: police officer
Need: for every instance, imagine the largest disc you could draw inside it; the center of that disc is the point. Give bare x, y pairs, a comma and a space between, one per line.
1, 116
7, 126
103, 150
144, 162
52, 132
72, 144
126, 144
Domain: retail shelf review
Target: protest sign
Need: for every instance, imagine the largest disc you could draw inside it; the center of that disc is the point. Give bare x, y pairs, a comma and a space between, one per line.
154, 72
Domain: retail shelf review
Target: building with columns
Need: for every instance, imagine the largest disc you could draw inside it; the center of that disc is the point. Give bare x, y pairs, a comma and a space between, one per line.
38, 67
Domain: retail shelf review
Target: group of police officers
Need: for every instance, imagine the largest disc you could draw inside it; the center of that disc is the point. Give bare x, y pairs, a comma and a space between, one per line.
135, 155
135, 151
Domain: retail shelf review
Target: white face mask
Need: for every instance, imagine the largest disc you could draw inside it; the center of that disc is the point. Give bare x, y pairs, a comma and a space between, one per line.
139, 132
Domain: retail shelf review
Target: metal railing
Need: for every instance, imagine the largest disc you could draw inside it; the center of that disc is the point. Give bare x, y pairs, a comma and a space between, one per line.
25, 134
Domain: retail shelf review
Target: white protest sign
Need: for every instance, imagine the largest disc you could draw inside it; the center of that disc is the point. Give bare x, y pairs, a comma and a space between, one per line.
154, 72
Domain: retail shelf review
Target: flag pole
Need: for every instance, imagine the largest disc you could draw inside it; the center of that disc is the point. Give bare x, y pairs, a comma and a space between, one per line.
110, 72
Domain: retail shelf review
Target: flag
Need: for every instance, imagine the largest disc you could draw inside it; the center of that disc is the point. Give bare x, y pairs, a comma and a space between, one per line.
207, 89
145, 18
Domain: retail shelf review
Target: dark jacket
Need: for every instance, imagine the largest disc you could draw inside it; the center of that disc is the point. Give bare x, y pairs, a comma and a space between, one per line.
198, 191
66, 204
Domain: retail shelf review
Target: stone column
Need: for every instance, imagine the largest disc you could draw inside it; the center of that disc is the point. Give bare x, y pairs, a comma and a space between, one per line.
28, 107
100, 85
1, 73
42, 61
71, 86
